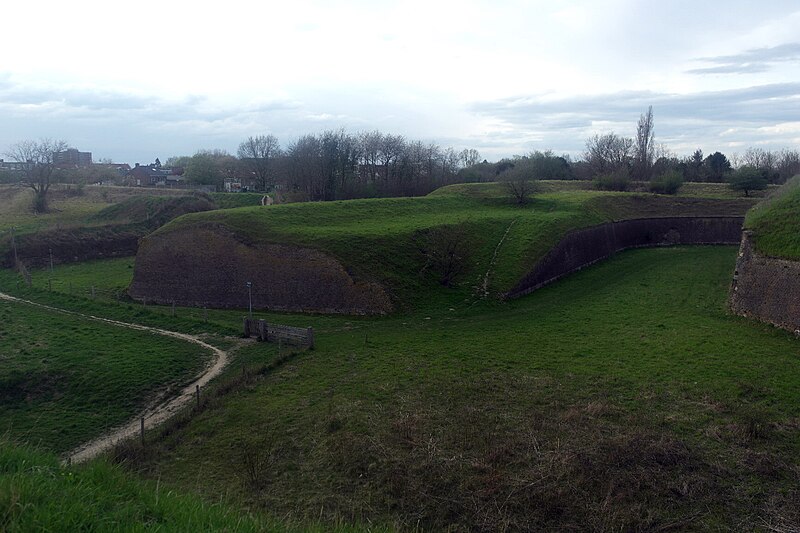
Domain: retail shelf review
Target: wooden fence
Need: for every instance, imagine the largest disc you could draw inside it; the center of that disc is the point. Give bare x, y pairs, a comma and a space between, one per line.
277, 332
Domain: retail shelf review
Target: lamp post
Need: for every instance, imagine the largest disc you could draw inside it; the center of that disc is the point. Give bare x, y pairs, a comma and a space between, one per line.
250, 297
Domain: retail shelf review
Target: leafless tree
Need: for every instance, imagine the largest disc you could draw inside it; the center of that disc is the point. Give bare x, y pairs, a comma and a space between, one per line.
447, 251
469, 157
607, 153
645, 149
258, 154
519, 181
788, 164
39, 167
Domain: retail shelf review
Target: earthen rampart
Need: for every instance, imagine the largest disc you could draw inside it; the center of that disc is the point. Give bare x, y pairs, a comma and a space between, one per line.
581, 248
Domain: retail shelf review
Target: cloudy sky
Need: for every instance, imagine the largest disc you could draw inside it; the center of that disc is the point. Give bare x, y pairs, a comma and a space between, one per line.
138, 80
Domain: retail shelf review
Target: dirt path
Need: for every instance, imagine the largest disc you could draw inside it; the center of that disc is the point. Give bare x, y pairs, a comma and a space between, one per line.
153, 415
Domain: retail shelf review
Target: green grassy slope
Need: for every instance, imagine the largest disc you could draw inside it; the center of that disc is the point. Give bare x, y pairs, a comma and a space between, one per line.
776, 223
380, 238
623, 397
38, 494
65, 380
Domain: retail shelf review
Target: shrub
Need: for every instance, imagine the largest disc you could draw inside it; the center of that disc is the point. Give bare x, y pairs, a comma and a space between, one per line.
667, 183
519, 182
616, 181
447, 251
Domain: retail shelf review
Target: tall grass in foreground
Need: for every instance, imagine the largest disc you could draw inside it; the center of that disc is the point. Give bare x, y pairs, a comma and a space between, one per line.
39, 494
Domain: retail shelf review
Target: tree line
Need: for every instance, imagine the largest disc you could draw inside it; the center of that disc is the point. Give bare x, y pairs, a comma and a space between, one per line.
336, 165
332, 165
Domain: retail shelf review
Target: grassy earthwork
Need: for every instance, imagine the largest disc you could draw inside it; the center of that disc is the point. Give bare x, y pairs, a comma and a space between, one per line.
776, 223
621, 397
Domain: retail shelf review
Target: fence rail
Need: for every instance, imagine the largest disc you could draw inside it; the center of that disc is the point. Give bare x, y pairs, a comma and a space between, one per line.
265, 331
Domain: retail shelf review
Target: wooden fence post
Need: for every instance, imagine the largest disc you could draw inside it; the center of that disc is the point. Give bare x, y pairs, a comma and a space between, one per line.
310, 336
246, 327
173, 307
262, 330
142, 430
197, 390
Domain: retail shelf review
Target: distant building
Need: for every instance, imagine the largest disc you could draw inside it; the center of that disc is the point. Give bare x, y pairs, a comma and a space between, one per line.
154, 175
15, 166
72, 158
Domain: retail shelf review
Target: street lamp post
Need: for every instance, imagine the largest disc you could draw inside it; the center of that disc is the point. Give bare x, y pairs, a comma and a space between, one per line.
250, 297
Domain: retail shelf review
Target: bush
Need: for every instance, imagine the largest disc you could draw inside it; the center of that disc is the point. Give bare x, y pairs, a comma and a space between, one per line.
667, 183
519, 182
616, 181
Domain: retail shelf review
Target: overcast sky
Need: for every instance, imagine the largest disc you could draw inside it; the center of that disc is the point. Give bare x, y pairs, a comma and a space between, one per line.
138, 80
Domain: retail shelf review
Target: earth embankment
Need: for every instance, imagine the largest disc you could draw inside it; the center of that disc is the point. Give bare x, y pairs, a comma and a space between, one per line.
208, 265
584, 247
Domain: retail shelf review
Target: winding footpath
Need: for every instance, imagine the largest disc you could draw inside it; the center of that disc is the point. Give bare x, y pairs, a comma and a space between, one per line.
154, 415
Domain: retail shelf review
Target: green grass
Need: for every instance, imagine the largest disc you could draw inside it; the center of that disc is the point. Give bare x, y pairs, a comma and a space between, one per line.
623, 396
66, 210
227, 200
65, 380
38, 494
775, 223
379, 239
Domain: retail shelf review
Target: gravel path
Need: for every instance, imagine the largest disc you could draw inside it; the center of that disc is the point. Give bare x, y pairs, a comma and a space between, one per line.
154, 415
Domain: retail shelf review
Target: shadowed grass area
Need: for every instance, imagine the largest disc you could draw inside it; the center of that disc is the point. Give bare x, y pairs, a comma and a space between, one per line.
622, 397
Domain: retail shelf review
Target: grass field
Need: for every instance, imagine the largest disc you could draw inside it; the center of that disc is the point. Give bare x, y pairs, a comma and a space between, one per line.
776, 223
624, 396
64, 379
38, 494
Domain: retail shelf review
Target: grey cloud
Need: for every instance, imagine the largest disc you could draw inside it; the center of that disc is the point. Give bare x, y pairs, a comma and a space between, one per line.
750, 61
763, 104
564, 123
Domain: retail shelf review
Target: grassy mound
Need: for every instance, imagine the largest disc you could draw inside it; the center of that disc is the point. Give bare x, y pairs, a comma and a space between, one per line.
776, 223
153, 210
113, 231
394, 240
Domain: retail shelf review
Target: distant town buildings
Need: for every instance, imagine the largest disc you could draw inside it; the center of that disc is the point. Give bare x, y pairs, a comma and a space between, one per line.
15, 166
154, 175
72, 158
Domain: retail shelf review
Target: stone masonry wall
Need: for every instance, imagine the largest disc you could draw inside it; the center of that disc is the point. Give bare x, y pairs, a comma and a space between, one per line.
208, 266
766, 288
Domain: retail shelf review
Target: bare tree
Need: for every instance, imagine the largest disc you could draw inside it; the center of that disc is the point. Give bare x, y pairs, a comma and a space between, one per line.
39, 167
645, 148
607, 153
788, 164
447, 251
518, 180
258, 154
469, 157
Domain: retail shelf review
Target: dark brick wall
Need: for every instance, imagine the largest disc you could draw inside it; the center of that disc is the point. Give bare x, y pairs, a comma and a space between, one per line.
207, 266
584, 247
766, 288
